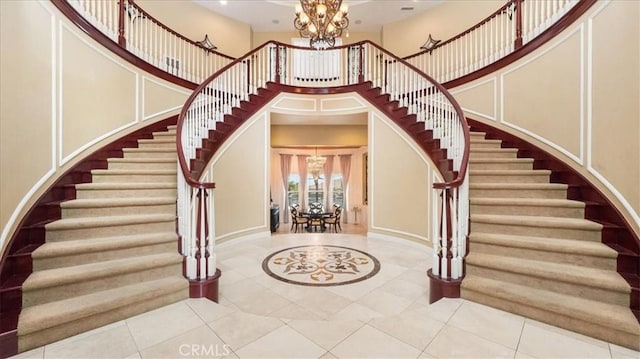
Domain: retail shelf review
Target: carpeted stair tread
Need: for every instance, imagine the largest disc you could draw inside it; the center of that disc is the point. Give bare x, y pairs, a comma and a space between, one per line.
591, 277
86, 272
117, 202
52, 314
133, 172
149, 149
127, 185
500, 160
156, 140
494, 150
73, 247
107, 221
545, 244
510, 172
473, 141
538, 221
541, 202
144, 160
607, 315
520, 186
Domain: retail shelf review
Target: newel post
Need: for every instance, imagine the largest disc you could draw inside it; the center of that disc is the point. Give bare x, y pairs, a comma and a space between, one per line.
518, 13
206, 282
441, 283
122, 41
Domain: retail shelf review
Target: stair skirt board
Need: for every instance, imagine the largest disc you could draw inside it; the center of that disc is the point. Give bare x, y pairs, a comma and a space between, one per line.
593, 330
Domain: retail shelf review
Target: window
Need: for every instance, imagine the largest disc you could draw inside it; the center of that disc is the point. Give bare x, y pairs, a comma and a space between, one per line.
292, 189
338, 189
315, 195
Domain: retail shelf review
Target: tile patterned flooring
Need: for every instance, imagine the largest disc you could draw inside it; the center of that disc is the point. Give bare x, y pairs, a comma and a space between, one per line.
386, 316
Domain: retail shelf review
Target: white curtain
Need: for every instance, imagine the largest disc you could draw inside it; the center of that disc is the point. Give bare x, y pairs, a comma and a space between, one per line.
285, 169
302, 170
345, 168
328, 172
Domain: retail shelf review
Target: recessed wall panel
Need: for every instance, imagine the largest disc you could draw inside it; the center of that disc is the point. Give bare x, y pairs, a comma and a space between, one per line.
615, 112
98, 95
543, 95
26, 108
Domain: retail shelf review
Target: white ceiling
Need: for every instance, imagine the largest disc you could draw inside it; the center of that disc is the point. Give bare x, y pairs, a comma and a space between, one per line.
277, 15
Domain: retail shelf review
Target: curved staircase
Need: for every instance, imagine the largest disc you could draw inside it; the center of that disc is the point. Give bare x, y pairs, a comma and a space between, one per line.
113, 253
531, 251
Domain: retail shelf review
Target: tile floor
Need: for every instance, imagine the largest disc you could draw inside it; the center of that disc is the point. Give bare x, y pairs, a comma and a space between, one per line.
387, 316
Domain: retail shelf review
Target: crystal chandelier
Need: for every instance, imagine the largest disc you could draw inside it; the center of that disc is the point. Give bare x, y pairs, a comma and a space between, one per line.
321, 21
315, 164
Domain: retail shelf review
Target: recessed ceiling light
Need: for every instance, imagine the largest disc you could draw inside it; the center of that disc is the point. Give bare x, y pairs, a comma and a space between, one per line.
358, 22
406, 8
223, 2
275, 21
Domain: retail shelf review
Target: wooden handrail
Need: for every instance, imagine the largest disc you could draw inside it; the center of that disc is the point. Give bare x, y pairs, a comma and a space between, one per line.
456, 182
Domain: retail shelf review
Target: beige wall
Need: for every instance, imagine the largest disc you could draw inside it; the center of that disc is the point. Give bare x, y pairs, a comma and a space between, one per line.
399, 183
187, 18
577, 97
399, 178
240, 172
444, 21
63, 96
346, 135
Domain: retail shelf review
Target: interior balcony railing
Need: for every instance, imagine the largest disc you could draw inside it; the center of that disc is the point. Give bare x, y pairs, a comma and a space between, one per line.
451, 62
272, 66
509, 28
135, 30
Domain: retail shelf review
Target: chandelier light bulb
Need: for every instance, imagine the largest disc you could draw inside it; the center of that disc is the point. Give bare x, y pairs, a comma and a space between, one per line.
321, 10
298, 9
344, 9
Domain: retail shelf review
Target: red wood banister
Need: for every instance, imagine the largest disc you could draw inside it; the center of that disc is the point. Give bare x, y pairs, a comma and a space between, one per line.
518, 13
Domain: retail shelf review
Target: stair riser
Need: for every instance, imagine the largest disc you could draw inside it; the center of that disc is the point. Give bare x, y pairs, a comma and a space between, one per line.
545, 232
103, 255
501, 166
477, 135
481, 154
118, 210
587, 328
490, 178
158, 144
518, 193
143, 165
50, 335
61, 292
550, 211
542, 255
112, 230
551, 284
128, 193
150, 154
484, 144
134, 178
169, 135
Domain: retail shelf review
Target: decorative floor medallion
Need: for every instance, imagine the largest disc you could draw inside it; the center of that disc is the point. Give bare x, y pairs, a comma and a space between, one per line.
321, 265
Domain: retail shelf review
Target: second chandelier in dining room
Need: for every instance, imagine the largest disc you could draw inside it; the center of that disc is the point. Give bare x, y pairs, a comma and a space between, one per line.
321, 21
